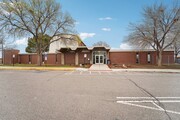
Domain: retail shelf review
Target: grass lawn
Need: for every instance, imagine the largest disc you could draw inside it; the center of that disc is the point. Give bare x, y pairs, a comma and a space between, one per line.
51, 66
34, 65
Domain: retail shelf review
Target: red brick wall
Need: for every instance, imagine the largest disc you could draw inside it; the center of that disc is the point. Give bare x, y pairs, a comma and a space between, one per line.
8, 56
81, 57
69, 58
130, 57
51, 59
122, 57
168, 57
34, 59
23, 59
143, 57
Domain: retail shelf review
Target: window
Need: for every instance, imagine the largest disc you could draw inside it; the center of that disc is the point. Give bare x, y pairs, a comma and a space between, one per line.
56, 58
29, 58
149, 58
137, 57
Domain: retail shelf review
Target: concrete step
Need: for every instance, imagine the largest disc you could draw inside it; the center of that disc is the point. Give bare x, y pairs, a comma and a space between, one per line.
99, 67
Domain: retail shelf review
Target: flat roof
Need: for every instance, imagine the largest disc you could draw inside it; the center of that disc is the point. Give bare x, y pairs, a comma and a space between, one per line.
136, 50
91, 48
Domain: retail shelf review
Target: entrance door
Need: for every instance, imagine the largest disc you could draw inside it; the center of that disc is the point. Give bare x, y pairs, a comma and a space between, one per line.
99, 59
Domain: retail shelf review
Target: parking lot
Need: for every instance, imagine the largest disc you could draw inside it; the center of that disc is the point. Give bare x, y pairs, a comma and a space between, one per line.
89, 95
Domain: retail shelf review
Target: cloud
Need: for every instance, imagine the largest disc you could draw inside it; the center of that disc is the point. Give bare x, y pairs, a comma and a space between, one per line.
22, 41
106, 29
106, 18
86, 35
77, 23
125, 46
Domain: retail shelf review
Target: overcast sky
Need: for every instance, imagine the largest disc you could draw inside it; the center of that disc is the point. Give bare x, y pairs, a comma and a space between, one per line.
102, 20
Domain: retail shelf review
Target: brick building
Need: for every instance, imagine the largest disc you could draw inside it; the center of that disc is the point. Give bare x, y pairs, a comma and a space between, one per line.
95, 55
75, 52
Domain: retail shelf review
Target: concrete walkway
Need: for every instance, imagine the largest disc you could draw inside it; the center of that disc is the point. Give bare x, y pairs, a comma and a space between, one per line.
95, 67
99, 67
149, 70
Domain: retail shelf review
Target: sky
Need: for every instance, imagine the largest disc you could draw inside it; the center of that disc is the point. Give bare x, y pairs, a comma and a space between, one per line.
102, 20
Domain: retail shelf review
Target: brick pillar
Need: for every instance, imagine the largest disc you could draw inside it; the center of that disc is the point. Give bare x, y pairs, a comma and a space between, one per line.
62, 58
91, 58
76, 59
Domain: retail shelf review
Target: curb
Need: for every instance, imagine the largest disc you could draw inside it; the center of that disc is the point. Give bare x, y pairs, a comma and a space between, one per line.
36, 68
85, 69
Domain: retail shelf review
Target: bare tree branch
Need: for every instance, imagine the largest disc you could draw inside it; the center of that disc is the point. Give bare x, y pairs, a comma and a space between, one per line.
34, 18
159, 29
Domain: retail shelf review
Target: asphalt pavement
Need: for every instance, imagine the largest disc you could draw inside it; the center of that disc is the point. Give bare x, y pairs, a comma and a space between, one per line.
89, 95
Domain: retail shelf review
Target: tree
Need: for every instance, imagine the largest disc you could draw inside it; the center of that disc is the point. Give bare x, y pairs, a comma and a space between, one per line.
1, 48
34, 18
101, 43
31, 48
177, 48
158, 29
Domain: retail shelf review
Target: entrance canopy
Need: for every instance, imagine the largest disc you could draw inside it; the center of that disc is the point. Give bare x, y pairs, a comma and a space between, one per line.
100, 54
96, 55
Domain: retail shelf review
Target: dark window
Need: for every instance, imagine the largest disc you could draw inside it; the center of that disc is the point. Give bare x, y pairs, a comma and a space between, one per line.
93, 57
29, 58
56, 58
137, 57
149, 58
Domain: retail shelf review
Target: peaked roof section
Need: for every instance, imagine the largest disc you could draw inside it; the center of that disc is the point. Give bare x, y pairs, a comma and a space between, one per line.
81, 43
73, 37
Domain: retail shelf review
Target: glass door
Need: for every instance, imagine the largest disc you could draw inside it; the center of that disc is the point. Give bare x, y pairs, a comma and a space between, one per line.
99, 59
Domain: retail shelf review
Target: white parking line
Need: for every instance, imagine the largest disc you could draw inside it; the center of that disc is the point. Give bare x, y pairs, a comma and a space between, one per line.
157, 105
147, 107
132, 101
81, 72
147, 97
149, 101
90, 72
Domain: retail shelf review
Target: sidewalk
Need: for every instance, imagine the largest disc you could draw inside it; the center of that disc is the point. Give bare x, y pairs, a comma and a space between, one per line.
86, 69
149, 70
